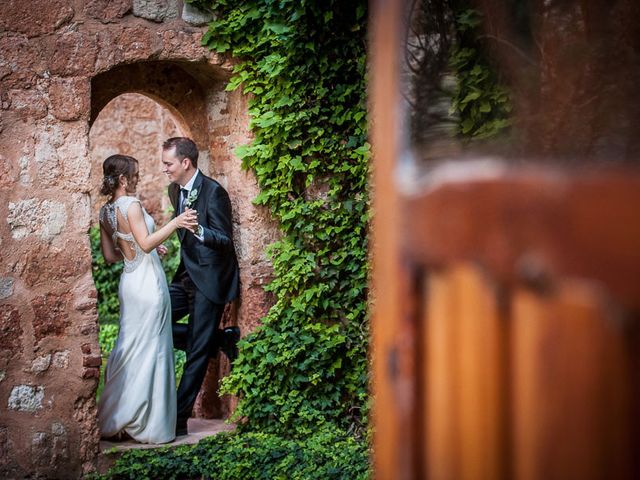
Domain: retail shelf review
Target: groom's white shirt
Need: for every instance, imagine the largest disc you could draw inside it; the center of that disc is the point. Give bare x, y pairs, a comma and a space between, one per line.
188, 186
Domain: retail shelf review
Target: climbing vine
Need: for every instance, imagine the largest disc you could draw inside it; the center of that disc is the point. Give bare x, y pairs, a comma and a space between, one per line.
303, 66
481, 99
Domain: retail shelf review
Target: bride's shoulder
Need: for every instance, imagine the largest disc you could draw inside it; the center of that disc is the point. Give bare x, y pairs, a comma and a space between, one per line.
126, 200
123, 203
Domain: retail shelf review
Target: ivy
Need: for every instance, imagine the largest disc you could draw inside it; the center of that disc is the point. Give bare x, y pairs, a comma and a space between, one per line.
481, 100
302, 64
327, 454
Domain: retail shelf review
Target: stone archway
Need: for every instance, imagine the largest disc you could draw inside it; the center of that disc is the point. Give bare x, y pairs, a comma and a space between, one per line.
194, 104
61, 61
136, 125
169, 83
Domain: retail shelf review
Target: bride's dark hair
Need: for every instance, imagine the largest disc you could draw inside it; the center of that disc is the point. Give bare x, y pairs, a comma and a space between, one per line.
112, 168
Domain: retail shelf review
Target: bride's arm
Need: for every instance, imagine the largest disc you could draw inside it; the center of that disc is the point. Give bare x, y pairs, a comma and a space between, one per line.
109, 251
149, 241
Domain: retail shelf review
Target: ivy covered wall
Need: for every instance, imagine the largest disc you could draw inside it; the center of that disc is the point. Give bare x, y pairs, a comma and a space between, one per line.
303, 65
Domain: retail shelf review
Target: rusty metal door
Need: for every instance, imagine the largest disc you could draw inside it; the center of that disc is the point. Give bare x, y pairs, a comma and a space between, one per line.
506, 334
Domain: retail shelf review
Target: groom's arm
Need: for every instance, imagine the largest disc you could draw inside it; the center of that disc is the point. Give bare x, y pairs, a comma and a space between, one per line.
217, 233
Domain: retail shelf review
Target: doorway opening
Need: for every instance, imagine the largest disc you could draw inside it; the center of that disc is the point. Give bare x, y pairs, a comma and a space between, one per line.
135, 125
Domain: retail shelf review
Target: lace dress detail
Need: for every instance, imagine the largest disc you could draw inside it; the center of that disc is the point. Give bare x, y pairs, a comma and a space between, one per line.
108, 213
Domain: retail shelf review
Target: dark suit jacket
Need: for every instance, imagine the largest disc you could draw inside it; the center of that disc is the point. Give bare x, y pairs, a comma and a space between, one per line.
212, 264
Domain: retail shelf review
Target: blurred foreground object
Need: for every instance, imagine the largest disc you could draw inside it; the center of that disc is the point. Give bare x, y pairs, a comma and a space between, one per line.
506, 320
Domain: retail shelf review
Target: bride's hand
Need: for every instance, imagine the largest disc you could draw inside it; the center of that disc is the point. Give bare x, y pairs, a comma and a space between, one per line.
162, 250
188, 220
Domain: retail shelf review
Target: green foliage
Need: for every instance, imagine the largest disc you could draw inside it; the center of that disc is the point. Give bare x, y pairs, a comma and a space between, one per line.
106, 277
481, 101
303, 66
328, 454
171, 260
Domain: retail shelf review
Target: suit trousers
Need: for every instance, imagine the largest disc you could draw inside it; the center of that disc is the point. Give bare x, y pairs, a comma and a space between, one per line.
196, 338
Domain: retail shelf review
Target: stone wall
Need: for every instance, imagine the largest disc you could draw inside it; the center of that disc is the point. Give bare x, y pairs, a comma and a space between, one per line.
61, 63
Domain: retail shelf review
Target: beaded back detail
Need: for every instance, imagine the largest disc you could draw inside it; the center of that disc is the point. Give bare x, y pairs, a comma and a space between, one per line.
108, 213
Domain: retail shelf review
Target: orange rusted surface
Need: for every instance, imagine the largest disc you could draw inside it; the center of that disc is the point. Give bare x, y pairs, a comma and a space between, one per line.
506, 341
393, 379
535, 227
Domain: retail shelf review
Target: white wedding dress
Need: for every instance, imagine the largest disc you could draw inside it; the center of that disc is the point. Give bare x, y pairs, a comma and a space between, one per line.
139, 395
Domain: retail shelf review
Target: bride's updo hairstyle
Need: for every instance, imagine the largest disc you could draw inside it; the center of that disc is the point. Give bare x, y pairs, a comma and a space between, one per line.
112, 168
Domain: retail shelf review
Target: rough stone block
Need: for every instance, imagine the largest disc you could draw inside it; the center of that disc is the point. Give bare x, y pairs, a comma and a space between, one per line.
81, 211
28, 103
25, 178
179, 44
107, 11
92, 361
61, 265
75, 54
76, 168
6, 287
7, 172
35, 17
156, 10
47, 160
58, 429
10, 328
44, 218
70, 98
23, 61
51, 316
61, 359
41, 364
196, 17
4, 446
60, 153
91, 373
40, 448
138, 43
109, 53
26, 398
89, 329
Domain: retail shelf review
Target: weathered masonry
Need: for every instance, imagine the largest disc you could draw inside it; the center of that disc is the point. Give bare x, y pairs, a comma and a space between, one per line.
61, 63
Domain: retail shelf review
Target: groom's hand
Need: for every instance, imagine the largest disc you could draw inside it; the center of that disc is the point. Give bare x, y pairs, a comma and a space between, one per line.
162, 250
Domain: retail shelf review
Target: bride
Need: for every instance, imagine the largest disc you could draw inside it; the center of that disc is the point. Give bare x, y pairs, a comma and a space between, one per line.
139, 396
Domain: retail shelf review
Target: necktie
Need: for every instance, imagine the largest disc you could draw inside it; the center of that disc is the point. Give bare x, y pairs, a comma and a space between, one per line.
183, 197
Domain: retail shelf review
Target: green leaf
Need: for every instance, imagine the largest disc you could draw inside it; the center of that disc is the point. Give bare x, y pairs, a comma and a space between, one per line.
278, 28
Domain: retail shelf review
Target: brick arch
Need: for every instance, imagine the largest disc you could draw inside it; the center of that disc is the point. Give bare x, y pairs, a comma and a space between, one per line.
134, 124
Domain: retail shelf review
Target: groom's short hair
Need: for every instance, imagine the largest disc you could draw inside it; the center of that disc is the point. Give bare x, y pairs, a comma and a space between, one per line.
184, 148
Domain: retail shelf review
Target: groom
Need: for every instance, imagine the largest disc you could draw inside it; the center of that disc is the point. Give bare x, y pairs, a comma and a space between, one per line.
207, 277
